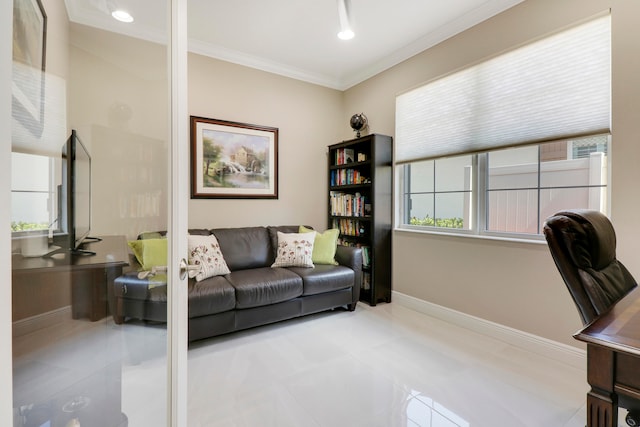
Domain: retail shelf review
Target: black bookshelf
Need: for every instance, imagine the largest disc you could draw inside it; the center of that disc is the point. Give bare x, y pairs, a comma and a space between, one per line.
360, 206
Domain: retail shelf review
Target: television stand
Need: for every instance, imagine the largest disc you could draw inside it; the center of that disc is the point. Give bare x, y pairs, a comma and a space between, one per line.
45, 284
90, 239
76, 251
81, 252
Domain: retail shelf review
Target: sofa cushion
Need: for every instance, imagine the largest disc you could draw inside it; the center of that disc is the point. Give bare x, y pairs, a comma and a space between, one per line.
211, 296
263, 286
324, 278
245, 247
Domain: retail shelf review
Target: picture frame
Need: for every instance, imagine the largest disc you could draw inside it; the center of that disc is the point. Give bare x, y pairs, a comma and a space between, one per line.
29, 60
231, 160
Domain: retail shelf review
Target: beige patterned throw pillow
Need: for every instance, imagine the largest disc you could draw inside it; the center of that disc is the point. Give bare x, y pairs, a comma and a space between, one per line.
205, 252
294, 250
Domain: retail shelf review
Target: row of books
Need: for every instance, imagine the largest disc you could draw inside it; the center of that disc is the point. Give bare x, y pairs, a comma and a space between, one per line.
366, 251
347, 177
348, 155
349, 227
347, 204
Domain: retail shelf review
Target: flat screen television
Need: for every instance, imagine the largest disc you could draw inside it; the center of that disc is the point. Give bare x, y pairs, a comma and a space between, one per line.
74, 198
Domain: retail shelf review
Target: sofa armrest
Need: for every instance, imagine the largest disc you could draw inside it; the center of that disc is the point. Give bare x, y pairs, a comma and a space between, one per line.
134, 265
350, 256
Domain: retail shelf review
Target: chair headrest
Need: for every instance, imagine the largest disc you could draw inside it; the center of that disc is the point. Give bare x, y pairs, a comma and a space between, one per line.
588, 236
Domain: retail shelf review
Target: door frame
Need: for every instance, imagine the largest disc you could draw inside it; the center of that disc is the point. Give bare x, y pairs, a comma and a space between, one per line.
178, 202
6, 57
177, 216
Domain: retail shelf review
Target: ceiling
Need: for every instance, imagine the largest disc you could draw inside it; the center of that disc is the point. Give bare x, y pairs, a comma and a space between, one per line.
298, 38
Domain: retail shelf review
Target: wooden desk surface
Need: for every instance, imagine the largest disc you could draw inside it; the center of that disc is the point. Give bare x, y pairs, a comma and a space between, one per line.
619, 328
111, 250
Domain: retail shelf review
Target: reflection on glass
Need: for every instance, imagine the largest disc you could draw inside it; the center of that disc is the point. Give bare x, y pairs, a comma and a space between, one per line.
423, 411
32, 192
75, 363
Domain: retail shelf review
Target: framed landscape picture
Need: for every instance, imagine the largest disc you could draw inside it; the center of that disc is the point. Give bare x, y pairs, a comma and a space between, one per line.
29, 53
233, 160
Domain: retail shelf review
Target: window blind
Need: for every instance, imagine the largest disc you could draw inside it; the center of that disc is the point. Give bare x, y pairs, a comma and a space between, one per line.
558, 87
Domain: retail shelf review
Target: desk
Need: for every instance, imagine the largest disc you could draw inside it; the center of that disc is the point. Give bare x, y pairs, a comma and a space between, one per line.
613, 361
40, 284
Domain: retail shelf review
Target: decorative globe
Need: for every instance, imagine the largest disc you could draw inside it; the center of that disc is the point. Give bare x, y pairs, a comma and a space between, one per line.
358, 122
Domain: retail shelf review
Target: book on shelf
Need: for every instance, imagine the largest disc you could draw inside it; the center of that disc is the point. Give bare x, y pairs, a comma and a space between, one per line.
344, 156
366, 280
348, 155
366, 258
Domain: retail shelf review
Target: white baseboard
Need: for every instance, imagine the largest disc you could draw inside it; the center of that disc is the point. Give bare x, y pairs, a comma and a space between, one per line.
564, 353
31, 324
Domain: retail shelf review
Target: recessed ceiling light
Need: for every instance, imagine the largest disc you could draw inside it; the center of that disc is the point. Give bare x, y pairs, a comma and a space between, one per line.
346, 34
344, 10
122, 16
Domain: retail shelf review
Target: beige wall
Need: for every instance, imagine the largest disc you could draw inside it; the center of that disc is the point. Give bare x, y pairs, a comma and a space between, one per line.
111, 70
514, 284
118, 103
308, 119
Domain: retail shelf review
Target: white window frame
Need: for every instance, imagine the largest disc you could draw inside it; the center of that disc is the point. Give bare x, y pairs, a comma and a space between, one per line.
52, 203
479, 200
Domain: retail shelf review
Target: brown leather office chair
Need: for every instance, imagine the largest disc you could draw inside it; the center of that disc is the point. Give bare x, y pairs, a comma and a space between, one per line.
583, 246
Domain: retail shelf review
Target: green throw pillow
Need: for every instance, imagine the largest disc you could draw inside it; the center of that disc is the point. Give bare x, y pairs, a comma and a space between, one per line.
324, 246
150, 252
150, 235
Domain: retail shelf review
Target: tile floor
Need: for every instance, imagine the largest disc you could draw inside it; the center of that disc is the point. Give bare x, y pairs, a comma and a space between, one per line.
381, 366
377, 367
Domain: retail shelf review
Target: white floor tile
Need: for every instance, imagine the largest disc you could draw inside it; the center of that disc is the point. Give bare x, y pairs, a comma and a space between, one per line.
382, 366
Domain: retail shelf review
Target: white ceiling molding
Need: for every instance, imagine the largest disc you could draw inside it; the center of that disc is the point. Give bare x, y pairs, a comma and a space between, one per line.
324, 63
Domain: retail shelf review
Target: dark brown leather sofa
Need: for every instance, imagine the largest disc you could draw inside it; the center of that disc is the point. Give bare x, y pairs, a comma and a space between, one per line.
253, 293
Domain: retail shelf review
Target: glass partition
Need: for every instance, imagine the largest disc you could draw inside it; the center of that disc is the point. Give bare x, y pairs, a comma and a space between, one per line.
90, 149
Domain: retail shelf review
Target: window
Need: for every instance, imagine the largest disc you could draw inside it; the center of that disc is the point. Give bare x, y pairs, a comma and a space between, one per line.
32, 192
438, 192
499, 146
516, 188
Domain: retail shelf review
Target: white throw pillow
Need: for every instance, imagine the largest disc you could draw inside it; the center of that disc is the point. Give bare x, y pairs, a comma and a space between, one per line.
205, 252
294, 250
